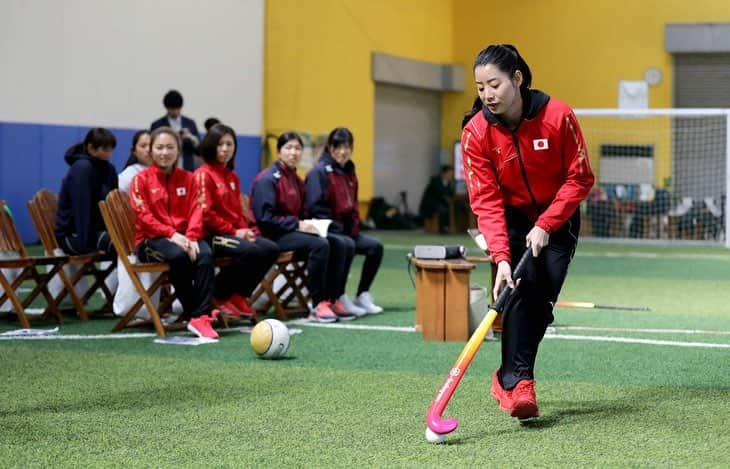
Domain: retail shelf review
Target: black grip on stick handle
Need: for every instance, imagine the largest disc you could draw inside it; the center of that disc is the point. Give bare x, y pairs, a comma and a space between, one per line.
506, 291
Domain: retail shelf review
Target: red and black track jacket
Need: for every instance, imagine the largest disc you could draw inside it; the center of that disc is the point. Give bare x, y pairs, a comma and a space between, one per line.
541, 169
219, 195
165, 204
331, 192
277, 201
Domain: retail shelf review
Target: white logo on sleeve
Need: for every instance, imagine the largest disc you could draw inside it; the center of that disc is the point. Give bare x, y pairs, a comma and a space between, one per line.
181, 191
540, 144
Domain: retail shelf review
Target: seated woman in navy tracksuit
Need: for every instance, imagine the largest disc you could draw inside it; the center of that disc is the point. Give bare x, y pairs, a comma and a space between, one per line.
331, 192
277, 205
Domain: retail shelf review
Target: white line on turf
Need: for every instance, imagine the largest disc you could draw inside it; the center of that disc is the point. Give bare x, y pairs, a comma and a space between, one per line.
134, 335
304, 322
364, 327
629, 340
618, 329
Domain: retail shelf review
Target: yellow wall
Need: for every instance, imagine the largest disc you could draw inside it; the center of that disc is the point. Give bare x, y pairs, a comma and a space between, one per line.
578, 50
317, 72
317, 60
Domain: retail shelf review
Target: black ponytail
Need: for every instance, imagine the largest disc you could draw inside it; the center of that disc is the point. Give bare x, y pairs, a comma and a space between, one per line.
508, 60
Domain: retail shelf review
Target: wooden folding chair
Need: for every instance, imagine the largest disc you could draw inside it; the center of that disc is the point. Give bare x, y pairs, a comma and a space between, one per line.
287, 299
31, 268
120, 223
43, 208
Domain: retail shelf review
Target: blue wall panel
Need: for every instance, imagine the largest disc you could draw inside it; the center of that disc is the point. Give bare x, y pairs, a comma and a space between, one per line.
31, 158
20, 173
124, 147
248, 160
55, 139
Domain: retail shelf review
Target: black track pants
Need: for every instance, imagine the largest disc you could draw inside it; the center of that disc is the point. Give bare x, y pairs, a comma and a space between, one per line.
529, 310
193, 281
251, 261
372, 249
316, 251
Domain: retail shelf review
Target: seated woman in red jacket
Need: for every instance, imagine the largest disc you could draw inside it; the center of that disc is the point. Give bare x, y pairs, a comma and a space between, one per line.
169, 228
331, 192
225, 226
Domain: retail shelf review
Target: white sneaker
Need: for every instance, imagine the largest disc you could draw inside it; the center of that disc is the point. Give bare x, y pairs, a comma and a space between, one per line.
351, 307
365, 300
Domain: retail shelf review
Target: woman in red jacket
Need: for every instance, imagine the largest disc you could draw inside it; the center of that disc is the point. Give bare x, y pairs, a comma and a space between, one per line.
527, 171
169, 228
225, 226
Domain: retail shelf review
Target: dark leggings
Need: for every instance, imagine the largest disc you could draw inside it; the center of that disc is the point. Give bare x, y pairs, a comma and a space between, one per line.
193, 281
326, 261
372, 249
251, 261
529, 311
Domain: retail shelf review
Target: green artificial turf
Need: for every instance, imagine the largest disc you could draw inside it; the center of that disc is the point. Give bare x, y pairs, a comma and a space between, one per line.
354, 398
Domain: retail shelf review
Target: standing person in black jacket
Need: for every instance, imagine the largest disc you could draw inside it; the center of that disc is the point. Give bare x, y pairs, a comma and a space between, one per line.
173, 102
79, 226
331, 193
435, 199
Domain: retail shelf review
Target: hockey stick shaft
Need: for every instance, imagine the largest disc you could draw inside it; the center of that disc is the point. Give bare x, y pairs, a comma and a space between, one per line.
583, 304
433, 418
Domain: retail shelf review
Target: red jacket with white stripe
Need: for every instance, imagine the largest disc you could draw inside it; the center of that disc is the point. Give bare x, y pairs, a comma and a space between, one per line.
219, 193
165, 204
541, 169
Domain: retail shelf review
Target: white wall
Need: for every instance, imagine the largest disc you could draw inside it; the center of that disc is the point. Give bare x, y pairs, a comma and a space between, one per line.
109, 62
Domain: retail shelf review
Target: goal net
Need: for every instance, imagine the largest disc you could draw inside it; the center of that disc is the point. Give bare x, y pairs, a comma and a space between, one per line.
661, 174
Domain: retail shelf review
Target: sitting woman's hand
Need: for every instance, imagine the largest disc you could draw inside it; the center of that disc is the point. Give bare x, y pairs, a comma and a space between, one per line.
193, 250
307, 227
247, 234
181, 241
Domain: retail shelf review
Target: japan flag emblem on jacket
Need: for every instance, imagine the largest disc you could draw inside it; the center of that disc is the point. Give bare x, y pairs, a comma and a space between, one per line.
540, 144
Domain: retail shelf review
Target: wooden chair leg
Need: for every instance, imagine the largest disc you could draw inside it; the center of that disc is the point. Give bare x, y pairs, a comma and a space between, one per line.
145, 294
69, 288
42, 280
9, 289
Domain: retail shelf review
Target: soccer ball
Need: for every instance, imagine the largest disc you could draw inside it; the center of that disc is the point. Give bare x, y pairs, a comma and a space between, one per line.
270, 339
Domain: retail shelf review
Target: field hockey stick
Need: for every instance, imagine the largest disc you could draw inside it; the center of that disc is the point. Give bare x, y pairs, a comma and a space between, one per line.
582, 304
434, 422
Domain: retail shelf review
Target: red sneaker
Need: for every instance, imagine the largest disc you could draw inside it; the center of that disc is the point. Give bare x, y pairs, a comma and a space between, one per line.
242, 305
227, 308
340, 311
524, 400
501, 395
323, 313
201, 327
